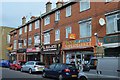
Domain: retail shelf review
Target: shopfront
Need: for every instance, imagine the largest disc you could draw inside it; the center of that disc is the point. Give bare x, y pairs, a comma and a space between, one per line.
33, 54
112, 45
21, 54
77, 51
51, 53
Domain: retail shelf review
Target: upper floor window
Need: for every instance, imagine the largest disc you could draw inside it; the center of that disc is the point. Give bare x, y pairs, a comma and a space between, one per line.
57, 35
112, 25
20, 45
47, 38
30, 27
57, 15
8, 38
36, 24
15, 44
25, 42
85, 29
68, 11
20, 31
108, 0
68, 31
84, 5
29, 41
47, 20
25, 29
36, 39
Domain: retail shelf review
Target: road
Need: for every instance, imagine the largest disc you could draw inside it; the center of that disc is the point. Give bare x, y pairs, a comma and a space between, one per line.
8, 74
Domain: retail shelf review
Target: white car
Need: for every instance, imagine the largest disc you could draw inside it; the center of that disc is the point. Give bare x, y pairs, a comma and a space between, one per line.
33, 66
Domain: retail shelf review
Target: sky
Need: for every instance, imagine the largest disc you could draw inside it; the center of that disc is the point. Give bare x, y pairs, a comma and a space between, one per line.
12, 11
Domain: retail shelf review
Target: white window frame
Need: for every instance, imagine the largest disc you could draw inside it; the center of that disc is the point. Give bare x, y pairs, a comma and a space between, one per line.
84, 3
25, 29
47, 20
8, 38
115, 27
57, 35
15, 44
68, 11
47, 38
25, 42
30, 27
67, 31
108, 0
20, 31
36, 39
57, 15
29, 39
20, 45
87, 28
37, 24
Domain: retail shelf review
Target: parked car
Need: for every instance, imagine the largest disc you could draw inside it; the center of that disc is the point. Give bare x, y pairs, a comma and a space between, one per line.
33, 66
4, 63
106, 68
16, 65
60, 71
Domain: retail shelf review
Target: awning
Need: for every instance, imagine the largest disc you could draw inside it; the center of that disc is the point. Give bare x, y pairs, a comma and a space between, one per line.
111, 45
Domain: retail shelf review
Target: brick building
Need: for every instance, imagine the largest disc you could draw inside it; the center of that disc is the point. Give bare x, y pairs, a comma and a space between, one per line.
73, 32
25, 40
4, 42
79, 27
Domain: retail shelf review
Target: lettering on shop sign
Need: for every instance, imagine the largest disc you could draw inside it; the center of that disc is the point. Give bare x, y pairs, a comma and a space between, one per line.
111, 39
77, 43
49, 47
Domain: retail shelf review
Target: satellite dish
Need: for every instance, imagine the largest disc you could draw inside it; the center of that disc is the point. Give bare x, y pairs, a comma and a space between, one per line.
101, 21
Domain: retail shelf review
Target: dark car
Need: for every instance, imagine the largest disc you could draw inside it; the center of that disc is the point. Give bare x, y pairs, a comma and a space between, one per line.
61, 71
4, 63
16, 65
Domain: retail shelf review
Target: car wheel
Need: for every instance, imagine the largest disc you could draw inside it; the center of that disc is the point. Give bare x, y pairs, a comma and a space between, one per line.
44, 74
30, 71
60, 77
82, 78
21, 69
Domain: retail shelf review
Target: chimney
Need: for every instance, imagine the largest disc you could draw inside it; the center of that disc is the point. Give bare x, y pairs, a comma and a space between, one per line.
23, 20
59, 3
33, 17
48, 6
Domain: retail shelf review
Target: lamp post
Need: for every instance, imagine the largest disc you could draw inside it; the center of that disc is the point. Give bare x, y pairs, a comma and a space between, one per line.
96, 44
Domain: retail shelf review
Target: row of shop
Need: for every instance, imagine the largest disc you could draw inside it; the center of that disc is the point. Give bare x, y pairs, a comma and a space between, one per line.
77, 51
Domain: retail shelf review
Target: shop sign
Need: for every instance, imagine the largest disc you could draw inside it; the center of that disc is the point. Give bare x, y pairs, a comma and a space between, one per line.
111, 39
21, 50
33, 49
77, 43
72, 36
52, 47
9, 48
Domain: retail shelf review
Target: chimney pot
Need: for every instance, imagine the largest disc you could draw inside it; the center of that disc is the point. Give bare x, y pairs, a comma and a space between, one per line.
23, 20
48, 6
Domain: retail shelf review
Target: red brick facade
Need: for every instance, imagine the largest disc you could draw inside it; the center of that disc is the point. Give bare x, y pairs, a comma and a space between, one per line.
96, 11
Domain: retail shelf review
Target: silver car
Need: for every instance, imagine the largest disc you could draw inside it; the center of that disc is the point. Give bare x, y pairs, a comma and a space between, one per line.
33, 66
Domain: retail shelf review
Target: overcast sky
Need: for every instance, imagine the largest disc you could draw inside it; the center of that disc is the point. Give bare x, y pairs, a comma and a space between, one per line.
12, 11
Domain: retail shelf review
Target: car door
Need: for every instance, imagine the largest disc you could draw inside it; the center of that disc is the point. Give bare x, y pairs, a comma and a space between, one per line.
50, 71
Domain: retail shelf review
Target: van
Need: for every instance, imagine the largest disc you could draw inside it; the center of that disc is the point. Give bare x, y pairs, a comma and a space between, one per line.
106, 68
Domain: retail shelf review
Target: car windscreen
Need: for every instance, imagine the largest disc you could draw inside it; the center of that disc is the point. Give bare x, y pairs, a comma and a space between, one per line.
39, 63
22, 63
